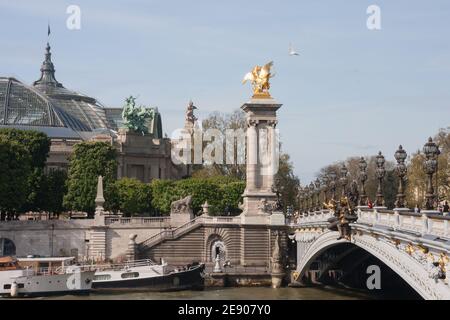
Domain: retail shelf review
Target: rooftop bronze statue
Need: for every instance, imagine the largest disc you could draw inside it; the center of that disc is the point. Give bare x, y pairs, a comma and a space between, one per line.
190, 117
135, 118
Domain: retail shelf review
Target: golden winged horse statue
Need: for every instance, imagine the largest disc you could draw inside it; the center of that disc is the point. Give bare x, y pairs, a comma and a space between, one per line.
259, 78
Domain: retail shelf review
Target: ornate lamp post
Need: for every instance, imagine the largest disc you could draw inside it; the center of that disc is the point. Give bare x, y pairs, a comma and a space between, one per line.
344, 180
313, 196
363, 179
300, 200
380, 173
333, 178
431, 151
325, 181
307, 193
402, 170
319, 191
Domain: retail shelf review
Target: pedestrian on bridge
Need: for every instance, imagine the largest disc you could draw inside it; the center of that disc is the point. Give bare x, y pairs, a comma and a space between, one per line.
446, 207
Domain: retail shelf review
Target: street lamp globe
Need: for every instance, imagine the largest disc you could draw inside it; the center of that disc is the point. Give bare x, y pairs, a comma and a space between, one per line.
431, 149
400, 155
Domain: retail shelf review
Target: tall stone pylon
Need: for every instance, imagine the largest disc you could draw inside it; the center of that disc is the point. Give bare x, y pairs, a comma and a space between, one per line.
262, 156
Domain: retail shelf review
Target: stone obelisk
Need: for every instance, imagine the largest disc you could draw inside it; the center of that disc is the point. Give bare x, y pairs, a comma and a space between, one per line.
262, 148
99, 202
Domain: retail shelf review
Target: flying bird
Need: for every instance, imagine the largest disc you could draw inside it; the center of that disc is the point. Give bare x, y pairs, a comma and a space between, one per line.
292, 52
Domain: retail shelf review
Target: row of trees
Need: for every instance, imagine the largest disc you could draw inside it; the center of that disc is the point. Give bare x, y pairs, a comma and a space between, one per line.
24, 186
415, 179
352, 164
133, 197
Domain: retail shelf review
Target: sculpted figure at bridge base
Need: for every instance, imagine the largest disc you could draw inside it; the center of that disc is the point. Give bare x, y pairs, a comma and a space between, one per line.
181, 211
344, 214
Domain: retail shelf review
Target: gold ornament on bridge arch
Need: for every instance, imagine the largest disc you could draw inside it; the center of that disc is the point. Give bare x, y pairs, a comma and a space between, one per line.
443, 261
410, 249
259, 78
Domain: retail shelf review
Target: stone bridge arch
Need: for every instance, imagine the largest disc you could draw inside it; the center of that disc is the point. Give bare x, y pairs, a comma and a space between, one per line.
404, 265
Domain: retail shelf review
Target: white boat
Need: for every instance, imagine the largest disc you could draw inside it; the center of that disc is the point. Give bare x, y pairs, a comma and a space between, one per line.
148, 276
43, 276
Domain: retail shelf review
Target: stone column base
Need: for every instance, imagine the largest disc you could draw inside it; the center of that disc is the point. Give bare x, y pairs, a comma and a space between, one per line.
277, 219
277, 280
253, 201
255, 219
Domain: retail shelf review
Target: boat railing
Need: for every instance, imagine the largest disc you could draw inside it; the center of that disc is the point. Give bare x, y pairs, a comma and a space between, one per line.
46, 271
124, 265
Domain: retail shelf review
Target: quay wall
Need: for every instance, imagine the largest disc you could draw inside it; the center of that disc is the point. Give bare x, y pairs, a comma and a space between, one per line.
72, 237
47, 237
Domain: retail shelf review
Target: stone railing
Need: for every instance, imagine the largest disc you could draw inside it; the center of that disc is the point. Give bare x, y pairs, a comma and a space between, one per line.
420, 223
397, 220
175, 233
145, 221
316, 217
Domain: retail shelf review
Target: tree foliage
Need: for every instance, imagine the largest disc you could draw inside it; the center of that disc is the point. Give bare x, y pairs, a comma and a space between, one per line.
287, 183
221, 193
417, 179
131, 196
52, 191
163, 194
230, 197
15, 170
37, 145
389, 183
223, 122
88, 161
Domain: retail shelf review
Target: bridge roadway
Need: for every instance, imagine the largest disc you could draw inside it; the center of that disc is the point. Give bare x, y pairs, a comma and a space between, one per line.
414, 245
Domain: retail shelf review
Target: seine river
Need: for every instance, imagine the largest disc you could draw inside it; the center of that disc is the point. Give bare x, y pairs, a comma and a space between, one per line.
231, 294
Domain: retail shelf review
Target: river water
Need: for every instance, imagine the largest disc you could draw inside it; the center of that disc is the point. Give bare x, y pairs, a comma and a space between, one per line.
230, 294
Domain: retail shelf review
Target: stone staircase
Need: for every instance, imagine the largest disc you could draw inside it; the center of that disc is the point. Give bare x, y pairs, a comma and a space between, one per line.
173, 234
248, 245
170, 234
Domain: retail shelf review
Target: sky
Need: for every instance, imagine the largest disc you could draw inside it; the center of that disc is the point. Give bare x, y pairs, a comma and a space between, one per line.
350, 92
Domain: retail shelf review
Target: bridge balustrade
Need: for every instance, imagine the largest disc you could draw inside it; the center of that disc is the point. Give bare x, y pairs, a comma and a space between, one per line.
398, 220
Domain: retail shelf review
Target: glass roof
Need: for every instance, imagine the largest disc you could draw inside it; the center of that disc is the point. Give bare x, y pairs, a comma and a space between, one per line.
25, 106
49, 104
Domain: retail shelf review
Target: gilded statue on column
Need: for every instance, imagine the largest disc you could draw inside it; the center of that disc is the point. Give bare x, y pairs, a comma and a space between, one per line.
259, 78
